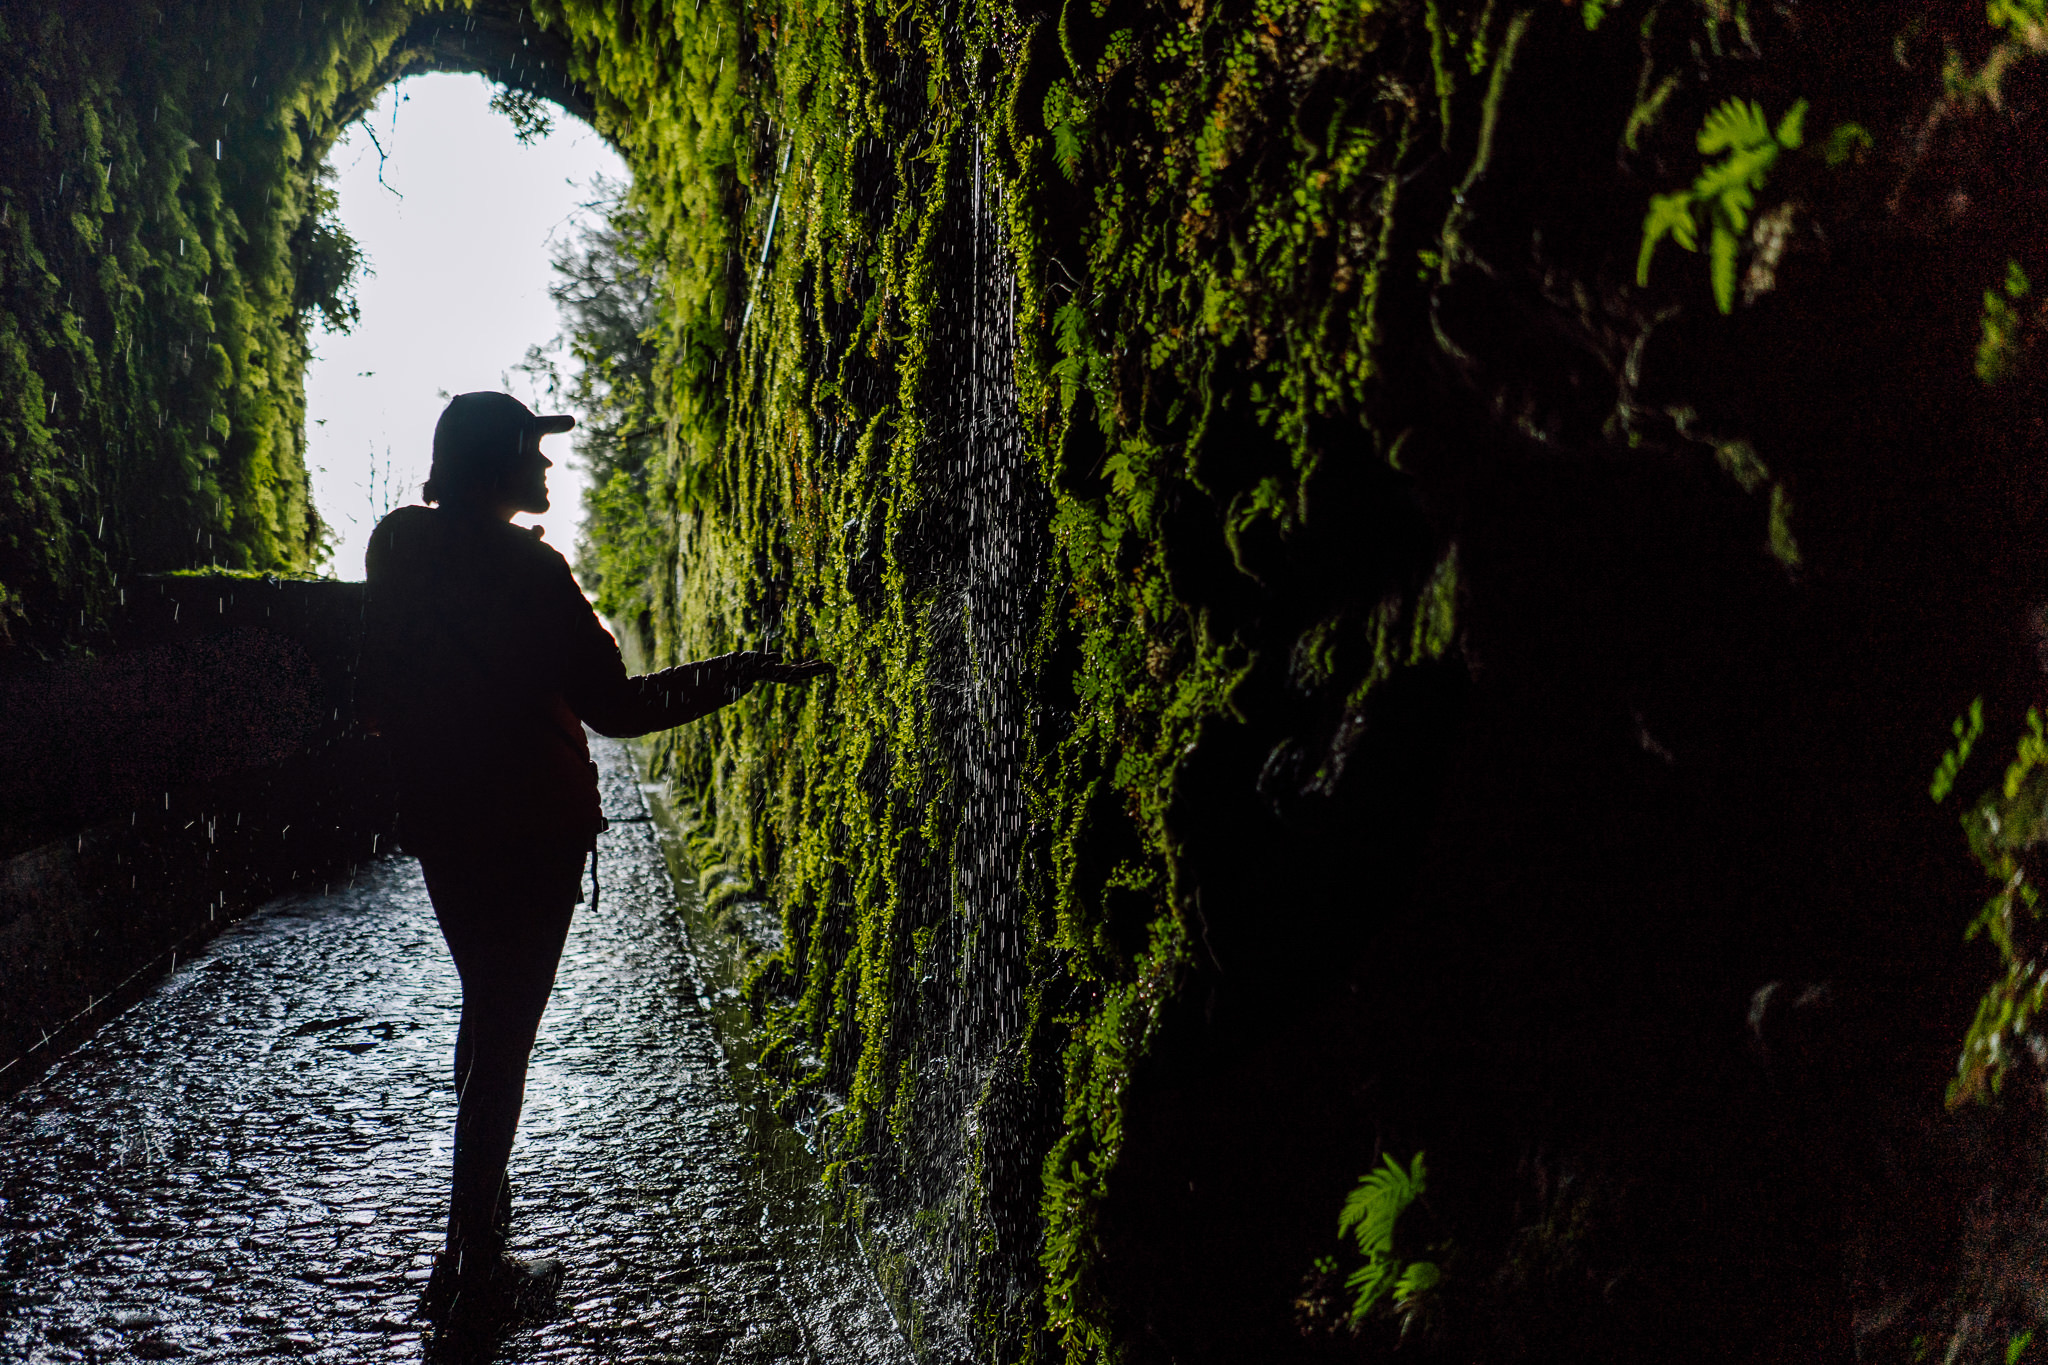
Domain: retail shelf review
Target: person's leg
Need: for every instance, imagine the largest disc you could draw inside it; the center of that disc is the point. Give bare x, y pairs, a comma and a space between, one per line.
505, 918
501, 1218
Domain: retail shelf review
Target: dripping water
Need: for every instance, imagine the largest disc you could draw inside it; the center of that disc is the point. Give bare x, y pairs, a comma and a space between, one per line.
956, 1192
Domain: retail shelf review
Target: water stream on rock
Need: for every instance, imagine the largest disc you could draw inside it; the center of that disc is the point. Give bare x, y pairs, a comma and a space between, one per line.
955, 1206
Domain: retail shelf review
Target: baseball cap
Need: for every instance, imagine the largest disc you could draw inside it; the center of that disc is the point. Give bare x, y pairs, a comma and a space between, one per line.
479, 435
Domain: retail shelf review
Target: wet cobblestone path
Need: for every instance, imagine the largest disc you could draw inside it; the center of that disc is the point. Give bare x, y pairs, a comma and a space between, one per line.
252, 1163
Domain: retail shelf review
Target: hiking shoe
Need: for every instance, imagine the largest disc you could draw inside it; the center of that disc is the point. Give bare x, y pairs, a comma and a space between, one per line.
524, 1287
479, 1288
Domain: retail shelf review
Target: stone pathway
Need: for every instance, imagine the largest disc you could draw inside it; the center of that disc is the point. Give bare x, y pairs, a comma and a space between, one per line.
251, 1164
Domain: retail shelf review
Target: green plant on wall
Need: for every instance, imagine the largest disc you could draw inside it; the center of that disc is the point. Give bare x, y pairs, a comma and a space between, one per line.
167, 243
1723, 195
2006, 827
1967, 728
1200, 205
328, 262
2001, 335
2023, 19
1371, 1217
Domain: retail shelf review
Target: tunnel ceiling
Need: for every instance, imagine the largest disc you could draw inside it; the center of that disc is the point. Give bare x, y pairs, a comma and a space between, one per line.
501, 42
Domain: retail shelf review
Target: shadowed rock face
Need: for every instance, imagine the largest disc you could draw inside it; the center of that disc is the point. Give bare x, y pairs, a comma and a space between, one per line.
151, 794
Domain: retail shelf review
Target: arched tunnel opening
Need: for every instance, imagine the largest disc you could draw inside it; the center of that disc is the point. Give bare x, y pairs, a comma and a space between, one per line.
1437, 612
471, 225
186, 437
184, 441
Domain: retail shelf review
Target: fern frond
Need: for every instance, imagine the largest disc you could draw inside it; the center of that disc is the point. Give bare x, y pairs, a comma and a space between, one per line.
1848, 141
1740, 174
1723, 257
1670, 216
1419, 1278
1369, 1277
1726, 191
1066, 149
1380, 1197
1370, 1280
1363, 1204
1354, 1210
1070, 325
1791, 131
1732, 209
1736, 125
1369, 1213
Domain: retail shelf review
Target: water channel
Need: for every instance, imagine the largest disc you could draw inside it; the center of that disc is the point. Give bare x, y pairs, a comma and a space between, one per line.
251, 1163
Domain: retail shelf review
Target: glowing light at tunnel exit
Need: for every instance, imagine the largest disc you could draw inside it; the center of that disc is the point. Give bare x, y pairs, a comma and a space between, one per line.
458, 232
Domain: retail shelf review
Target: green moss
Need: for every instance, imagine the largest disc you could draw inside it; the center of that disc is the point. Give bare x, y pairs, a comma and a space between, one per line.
792, 486
1112, 1038
164, 241
2006, 827
2002, 326
247, 575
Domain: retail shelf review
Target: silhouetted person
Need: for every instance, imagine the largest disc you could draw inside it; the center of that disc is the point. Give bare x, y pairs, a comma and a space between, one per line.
482, 662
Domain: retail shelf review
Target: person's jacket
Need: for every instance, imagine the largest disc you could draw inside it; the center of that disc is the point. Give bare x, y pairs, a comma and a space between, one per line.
482, 661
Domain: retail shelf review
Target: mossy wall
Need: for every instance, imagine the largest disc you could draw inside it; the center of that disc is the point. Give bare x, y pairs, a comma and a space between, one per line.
160, 160
1410, 674
1339, 649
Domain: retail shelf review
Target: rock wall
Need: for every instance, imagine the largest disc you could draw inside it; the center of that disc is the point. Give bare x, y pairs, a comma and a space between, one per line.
153, 794
1513, 499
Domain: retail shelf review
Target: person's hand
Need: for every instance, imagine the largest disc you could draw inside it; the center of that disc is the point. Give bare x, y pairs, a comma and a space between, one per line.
760, 667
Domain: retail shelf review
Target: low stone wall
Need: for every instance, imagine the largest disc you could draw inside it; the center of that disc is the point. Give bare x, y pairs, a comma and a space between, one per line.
154, 793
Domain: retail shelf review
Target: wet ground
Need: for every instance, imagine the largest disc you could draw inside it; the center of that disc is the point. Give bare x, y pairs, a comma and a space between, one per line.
251, 1164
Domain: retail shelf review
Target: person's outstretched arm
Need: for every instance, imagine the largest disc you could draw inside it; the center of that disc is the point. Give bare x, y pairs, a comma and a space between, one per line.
631, 706
603, 697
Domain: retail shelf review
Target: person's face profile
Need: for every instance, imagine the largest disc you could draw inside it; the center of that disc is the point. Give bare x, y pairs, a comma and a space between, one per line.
527, 488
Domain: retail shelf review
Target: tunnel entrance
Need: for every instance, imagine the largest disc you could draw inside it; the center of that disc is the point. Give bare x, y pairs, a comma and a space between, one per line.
199, 755
166, 168
1349, 643
460, 216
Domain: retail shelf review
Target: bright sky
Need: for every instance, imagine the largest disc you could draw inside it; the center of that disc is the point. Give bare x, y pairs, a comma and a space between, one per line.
460, 292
